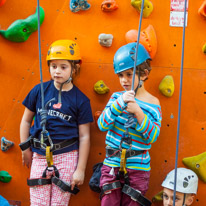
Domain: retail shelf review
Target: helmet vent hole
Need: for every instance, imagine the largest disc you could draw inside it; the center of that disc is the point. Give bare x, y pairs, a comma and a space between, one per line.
165, 161
100, 153
174, 45
168, 125
24, 30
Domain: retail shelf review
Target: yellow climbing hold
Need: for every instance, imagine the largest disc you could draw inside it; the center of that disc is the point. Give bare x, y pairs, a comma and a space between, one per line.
157, 197
197, 164
166, 86
100, 87
204, 49
148, 7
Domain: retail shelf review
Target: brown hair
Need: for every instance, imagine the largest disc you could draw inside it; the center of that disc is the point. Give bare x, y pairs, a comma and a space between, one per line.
141, 68
75, 66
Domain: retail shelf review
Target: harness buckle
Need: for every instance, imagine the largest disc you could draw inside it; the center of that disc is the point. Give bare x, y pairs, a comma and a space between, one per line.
58, 183
56, 146
40, 181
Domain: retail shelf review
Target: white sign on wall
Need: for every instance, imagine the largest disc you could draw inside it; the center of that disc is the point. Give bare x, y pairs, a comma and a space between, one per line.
177, 13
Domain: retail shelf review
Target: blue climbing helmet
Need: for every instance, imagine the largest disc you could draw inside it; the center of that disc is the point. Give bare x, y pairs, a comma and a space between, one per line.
125, 56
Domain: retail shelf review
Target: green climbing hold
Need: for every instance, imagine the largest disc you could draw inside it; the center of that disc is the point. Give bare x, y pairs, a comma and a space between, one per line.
21, 29
197, 164
5, 176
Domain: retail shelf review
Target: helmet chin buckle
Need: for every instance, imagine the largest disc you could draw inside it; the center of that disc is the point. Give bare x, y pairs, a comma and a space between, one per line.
140, 84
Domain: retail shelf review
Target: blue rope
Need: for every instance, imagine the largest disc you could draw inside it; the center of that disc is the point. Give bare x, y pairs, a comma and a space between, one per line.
130, 120
180, 99
137, 46
44, 113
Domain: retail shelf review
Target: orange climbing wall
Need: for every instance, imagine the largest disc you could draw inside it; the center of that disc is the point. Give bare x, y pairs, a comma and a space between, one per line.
19, 72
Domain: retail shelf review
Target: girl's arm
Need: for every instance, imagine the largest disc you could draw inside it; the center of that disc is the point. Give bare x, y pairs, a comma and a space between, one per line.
113, 109
150, 128
24, 134
84, 146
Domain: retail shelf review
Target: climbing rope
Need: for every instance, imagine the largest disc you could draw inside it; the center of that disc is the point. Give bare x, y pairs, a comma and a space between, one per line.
44, 134
40, 66
180, 99
126, 136
137, 46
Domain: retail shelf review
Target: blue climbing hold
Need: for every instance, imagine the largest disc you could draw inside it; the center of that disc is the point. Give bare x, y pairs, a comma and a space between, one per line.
6, 144
77, 5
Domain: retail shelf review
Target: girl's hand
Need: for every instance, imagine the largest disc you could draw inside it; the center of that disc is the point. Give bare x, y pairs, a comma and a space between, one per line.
77, 178
132, 107
27, 157
128, 96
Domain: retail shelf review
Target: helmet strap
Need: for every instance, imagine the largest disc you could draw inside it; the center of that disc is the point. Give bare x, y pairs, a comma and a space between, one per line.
139, 85
183, 204
59, 104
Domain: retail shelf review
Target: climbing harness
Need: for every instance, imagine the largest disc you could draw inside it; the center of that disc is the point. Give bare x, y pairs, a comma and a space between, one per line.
45, 141
124, 153
180, 98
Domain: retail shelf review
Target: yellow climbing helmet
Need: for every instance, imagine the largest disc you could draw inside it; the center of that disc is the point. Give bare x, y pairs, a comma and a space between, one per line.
64, 49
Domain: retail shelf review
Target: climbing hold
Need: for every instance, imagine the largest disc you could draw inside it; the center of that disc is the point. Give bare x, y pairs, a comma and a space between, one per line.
20, 30
96, 116
197, 164
5, 144
105, 39
2, 2
147, 38
5, 176
131, 36
204, 48
148, 7
166, 86
202, 9
100, 87
77, 5
157, 197
109, 5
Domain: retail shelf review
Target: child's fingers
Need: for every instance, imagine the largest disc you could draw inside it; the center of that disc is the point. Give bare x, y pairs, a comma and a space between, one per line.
72, 185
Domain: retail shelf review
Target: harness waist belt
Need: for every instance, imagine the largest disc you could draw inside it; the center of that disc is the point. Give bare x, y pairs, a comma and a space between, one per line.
31, 141
136, 195
117, 153
38, 181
